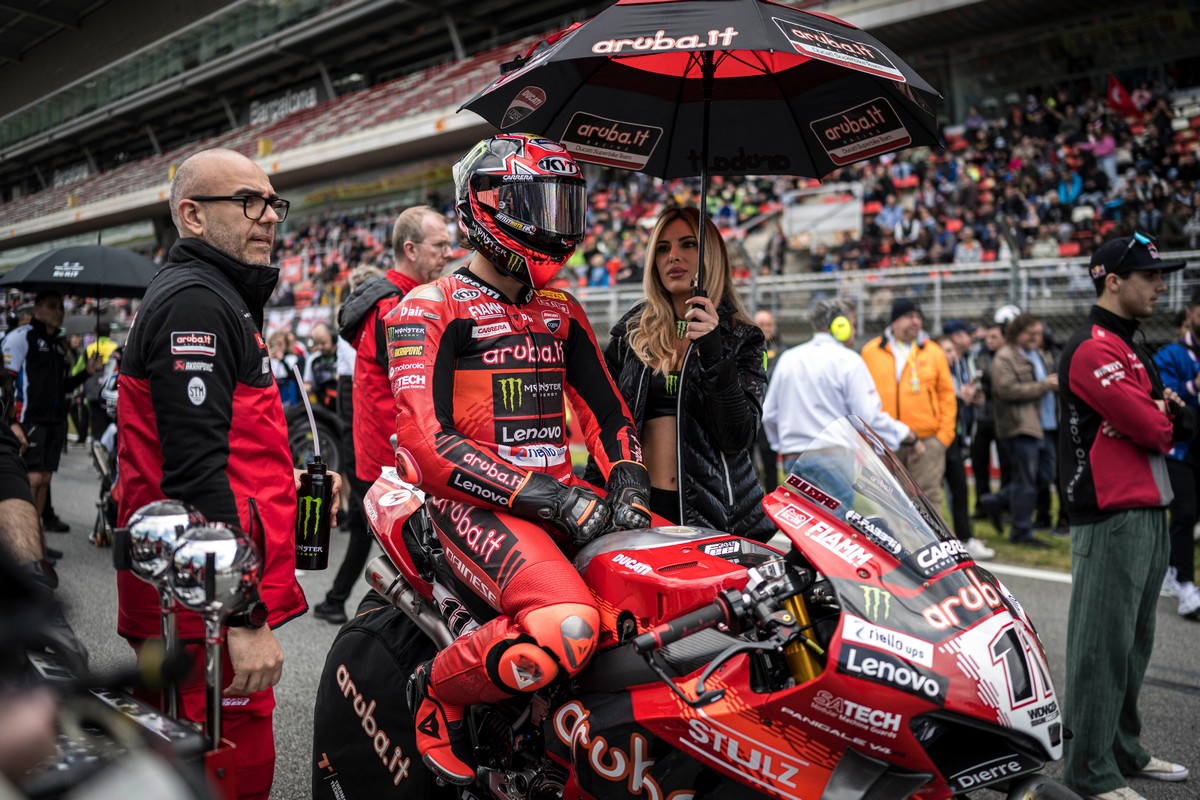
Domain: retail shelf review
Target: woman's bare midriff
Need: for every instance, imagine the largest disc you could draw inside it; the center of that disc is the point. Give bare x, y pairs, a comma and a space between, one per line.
658, 451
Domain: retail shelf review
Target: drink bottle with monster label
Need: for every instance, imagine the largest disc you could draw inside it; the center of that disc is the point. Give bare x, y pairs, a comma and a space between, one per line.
312, 516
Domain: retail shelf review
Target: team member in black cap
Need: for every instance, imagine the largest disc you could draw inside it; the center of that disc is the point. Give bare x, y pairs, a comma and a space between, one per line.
1118, 423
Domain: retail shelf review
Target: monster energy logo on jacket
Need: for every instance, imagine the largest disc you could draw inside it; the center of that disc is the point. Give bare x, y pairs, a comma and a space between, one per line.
511, 393
671, 387
310, 515
876, 600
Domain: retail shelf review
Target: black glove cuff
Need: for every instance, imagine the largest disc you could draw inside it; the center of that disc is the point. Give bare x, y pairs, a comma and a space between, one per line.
709, 347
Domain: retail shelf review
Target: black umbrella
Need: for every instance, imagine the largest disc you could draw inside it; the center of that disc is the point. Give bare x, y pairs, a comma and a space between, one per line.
90, 270
677, 88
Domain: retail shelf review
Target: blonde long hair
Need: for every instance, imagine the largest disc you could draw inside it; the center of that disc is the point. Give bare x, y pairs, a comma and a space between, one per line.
652, 335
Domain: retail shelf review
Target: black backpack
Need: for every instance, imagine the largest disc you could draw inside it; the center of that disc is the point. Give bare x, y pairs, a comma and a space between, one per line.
364, 740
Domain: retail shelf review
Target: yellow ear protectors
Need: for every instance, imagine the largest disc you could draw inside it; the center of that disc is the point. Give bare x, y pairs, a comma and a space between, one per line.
841, 328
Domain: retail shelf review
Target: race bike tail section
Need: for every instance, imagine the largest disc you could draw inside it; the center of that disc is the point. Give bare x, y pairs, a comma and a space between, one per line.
873, 659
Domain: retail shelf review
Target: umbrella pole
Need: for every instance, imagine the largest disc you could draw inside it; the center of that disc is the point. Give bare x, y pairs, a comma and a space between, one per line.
708, 70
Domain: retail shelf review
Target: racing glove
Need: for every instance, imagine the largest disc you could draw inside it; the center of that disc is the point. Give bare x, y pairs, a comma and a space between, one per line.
578, 512
628, 491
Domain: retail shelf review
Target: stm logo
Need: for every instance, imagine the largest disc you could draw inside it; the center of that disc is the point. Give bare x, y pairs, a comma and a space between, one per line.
877, 604
512, 395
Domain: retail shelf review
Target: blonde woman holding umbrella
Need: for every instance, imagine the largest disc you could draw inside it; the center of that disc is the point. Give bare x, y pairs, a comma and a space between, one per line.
691, 369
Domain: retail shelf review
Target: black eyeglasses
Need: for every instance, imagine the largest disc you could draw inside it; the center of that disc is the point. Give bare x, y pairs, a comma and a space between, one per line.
253, 206
1137, 238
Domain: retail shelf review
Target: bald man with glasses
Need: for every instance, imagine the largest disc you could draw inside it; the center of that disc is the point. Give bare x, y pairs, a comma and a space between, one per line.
200, 420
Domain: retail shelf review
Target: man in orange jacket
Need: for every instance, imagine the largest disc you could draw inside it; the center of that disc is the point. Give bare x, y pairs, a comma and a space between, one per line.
913, 378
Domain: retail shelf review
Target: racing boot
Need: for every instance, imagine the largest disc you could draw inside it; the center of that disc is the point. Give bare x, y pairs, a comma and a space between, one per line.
441, 739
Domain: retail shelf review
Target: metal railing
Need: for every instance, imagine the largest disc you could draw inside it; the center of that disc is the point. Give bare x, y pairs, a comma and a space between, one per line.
1058, 291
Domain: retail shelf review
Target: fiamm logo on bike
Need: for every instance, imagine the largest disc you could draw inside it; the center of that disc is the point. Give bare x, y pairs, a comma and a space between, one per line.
839, 50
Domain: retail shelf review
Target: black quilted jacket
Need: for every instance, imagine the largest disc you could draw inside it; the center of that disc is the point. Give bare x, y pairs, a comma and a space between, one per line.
719, 415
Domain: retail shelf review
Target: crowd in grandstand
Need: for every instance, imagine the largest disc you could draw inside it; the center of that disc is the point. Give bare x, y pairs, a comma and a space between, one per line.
1051, 176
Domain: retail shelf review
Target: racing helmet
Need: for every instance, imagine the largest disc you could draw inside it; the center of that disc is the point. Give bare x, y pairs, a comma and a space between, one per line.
521, 202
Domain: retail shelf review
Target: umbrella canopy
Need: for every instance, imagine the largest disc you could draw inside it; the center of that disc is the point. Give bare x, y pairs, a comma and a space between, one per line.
91, 270
653, 85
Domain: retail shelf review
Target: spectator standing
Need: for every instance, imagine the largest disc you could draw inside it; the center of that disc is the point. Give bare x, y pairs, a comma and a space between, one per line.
282, 360
957, 345
421, 246
195, 353
1179, 365
320, 368
37, 363
1121, 422
768, 458
332, 609
985, 419
913, 379
821, 381
1024, 383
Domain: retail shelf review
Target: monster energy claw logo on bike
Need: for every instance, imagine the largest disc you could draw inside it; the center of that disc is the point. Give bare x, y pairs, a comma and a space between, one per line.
876, 600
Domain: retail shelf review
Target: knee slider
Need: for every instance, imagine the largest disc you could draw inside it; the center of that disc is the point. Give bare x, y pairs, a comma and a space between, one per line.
568, 631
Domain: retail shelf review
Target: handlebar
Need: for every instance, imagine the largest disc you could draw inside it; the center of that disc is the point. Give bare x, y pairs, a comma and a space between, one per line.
719, 612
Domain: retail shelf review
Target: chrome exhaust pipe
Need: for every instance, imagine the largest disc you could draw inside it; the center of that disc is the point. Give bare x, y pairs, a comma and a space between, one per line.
384, 578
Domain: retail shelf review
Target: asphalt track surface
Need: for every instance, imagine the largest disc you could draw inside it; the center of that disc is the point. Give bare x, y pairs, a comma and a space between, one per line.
1170, 700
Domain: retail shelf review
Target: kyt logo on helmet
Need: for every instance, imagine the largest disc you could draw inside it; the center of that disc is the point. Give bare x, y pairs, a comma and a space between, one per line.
521, 203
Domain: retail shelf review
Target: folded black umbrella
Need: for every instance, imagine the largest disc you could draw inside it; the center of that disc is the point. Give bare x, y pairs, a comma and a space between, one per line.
91, 270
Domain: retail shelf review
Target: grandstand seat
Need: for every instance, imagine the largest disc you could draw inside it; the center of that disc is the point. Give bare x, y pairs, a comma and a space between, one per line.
954, 224
873, 207
1068, 249
989, 255
908, 182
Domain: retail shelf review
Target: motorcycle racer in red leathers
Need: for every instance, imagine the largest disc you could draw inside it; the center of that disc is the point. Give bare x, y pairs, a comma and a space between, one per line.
479, 363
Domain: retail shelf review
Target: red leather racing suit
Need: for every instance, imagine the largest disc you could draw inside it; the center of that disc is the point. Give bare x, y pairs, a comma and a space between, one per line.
479, 384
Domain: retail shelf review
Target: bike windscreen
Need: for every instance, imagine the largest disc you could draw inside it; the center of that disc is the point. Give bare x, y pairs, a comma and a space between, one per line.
850, 474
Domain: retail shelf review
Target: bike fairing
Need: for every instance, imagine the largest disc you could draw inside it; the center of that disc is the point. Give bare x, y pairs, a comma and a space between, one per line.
955, 679
201, 420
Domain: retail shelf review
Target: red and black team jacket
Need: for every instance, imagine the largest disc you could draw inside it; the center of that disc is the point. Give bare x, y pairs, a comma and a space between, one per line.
200, 420
1105, 376
479, 385
362, 326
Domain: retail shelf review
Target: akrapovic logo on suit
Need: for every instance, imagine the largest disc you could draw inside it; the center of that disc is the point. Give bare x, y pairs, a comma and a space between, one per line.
867, 130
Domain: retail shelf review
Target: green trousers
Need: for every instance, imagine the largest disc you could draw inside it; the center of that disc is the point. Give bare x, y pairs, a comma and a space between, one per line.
1117, 567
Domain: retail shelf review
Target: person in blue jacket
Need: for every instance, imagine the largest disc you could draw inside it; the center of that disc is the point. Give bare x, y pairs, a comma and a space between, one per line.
1179, 365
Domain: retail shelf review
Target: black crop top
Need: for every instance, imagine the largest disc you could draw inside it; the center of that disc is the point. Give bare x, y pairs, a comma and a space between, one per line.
660, 400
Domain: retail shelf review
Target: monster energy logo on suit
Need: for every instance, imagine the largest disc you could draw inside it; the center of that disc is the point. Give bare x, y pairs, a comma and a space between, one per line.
876, 600
672, 384
511, 393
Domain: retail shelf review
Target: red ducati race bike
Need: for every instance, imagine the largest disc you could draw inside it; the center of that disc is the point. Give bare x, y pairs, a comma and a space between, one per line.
871, 659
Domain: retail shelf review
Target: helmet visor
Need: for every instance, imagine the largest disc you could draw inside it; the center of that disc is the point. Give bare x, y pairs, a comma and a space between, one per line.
556, 208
